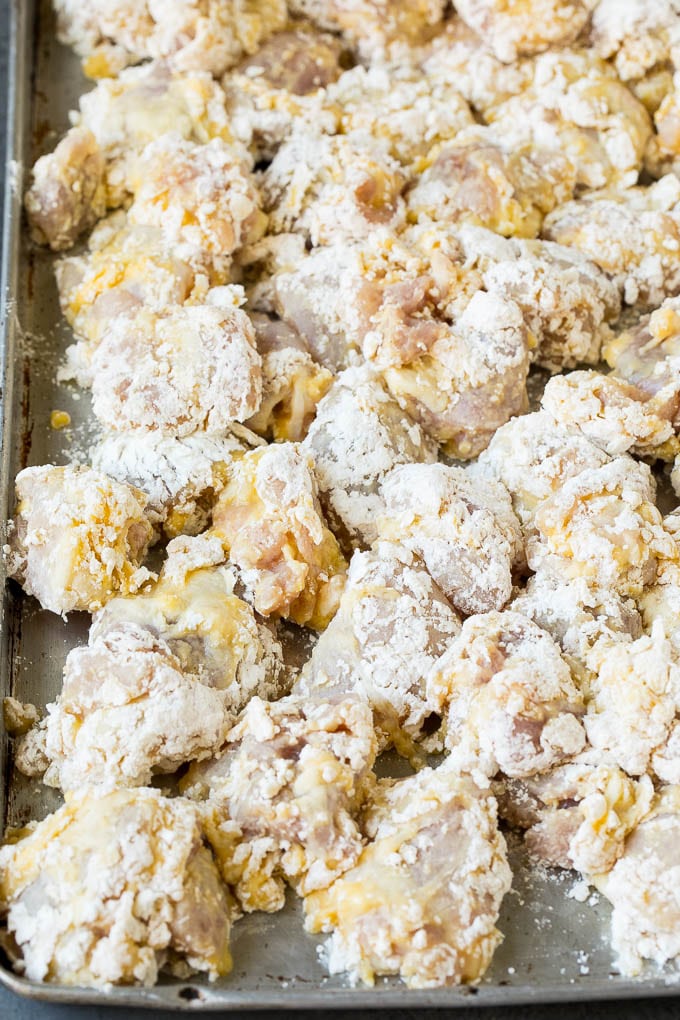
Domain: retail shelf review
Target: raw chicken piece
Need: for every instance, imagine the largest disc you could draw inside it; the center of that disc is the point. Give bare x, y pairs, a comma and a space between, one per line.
632, 234
613, 414
521, 29
576, 106
190, 368
576, 615
111, 888
78, 537
201, 197
400, 106
460, 54
566, 300
663, 150
180, 476
510, 702
644, 888
359, 434
374, 26
269, 519
205, 35
332, 188
648, 357
290, 778
392, 625
533, 456
127, 710
423, 899
476, 179
641, 38
282, 86
464, 530
292, 382
68, 193
215, 635
632, 699
577, 815
602, 525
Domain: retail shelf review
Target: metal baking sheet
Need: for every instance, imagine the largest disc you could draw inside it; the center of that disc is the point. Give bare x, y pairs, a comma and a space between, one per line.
555, 948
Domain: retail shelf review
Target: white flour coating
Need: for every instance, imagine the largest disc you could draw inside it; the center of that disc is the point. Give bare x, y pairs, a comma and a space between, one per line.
128, 710
392, 625
206, 35
332, 188
510, 701
610, 412
358, 435
78, 537
180, 475
521, 29
577, 815
112, 885
533, 456
464, 530
423, 899
293, 772
269, 519
643, 888
189, 368
577, 106
638, 36
632, 234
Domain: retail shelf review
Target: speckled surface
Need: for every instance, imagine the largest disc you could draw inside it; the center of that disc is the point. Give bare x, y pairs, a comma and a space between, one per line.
20, 1009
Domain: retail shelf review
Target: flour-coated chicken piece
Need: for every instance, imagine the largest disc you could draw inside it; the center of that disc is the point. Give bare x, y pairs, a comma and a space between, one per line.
269, 519
78, 537
522, 29
423, 899
287, 785
112, 888
358, 435
509, 699
392, 625
464, 530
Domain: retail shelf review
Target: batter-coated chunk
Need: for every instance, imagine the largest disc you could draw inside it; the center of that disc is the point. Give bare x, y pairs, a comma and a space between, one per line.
180, 475
292, 382
477, 179
68, 192
644, 888
374, 26
521, 29
464, 530
602, 525
612, 413
271, 524
577, 815
407, 110
128, 710
213, 633
423, 899
533, 456
189, 368
632, 234
292, 774
359, 434
78, 537
648, 357
392, 625
332, 188
205, 35
577, 106
510, 702
111, 888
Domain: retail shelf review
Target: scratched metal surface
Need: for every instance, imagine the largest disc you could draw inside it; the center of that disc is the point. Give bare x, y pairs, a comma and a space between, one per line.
555, 950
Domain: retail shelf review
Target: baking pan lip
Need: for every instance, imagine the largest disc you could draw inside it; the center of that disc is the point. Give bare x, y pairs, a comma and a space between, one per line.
196, 994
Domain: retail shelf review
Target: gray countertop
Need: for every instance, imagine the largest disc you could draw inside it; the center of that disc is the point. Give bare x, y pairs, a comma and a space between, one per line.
23, 1009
